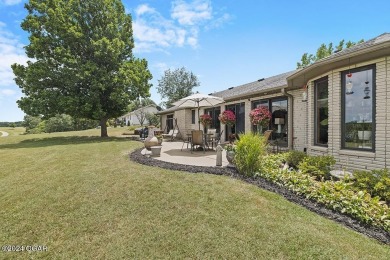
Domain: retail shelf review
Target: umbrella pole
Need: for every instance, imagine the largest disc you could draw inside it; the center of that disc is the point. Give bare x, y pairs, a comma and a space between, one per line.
198, 117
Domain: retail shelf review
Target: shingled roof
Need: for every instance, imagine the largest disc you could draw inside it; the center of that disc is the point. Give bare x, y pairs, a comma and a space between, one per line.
360, 46
256, 87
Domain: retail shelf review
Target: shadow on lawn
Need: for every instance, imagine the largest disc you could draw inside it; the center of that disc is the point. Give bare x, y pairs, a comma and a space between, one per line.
65, 140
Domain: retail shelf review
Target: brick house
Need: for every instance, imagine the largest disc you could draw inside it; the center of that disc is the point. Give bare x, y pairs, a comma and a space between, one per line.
338, 105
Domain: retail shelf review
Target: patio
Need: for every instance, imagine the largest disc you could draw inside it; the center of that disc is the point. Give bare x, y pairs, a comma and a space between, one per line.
171, 152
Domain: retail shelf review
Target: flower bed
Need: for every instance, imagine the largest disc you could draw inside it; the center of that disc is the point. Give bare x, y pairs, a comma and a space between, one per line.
266, 183
336, 195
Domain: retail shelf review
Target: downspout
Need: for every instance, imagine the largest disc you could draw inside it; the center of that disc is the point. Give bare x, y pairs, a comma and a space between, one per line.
291, 121
387, 118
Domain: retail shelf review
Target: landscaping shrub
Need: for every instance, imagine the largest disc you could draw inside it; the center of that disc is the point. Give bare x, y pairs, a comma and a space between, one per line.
153, 119
59, 123
249, 148
294, 158
339, 196
375, 182
133, 127
40, 128
318, 166
30, 123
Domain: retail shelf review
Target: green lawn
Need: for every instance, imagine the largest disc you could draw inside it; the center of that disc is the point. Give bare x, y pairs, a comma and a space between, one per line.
12, 130
83, 198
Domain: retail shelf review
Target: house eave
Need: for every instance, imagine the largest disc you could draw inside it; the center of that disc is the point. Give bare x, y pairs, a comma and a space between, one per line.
300, 78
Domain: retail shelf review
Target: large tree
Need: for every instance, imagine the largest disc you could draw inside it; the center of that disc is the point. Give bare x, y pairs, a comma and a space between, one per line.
324, 51
176, 84
81, 60
138, 103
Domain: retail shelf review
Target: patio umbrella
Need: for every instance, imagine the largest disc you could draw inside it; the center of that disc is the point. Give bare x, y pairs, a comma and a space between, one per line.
199, 100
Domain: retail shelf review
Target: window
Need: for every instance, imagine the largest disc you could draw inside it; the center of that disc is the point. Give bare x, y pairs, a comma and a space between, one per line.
279, 122
256, 104
214, 113
239, 111
169, 122
321, 95
192, 116
358, 110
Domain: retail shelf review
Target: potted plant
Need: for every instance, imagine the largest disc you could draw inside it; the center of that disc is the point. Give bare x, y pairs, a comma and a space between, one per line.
260, 116
205, 120
227, 117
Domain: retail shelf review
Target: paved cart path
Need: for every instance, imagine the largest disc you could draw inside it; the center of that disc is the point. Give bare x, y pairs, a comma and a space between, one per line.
4, 134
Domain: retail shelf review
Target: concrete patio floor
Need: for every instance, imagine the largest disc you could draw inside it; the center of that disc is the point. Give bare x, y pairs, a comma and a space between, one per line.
171, 152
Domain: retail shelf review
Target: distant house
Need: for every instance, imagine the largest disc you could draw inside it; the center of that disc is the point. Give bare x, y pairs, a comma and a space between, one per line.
338, 106
138, 117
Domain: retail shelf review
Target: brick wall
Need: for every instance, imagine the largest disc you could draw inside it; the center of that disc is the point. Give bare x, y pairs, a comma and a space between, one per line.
352, 159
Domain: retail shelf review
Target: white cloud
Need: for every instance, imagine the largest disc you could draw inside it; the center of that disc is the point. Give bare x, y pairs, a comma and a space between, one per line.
192, 40
142, 9
161, 67
7, 92
11, 51
193, 13
11, 2
219, 22
153, 32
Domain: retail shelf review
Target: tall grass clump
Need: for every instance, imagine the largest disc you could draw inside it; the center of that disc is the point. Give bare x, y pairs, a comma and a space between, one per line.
249, 149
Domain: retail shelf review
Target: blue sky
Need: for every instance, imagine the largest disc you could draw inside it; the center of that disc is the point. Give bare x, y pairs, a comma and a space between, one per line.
224, 42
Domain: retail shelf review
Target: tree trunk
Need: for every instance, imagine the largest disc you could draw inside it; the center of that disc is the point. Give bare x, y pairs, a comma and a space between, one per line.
103, 127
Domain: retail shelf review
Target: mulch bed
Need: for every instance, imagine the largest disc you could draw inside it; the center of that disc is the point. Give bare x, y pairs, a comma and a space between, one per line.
347, 221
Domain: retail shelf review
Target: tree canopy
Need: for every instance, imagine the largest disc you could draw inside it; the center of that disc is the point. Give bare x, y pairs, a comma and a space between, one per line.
324, 51
176, 84
81, 60
138, 103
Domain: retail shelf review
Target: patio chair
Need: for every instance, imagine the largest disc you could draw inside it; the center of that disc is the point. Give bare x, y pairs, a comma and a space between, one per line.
197, 139
210, 136
187, 138
171, 135
267, 135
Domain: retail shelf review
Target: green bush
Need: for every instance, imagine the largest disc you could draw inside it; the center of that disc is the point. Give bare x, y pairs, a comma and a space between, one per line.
294, 158
375, 182
339, 196
133, 127
249, 148
31, 122
153, 119
59, 123
318, 166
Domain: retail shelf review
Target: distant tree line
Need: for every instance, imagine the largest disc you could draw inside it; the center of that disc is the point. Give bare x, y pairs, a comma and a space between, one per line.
11, 124
58, 123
